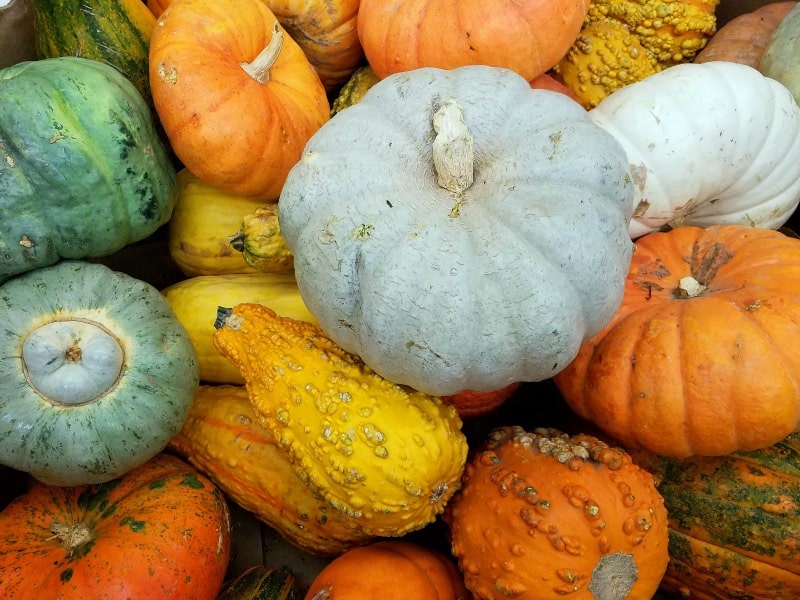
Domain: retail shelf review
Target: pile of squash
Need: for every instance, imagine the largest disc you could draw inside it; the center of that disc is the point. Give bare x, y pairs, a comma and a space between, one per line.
468, 302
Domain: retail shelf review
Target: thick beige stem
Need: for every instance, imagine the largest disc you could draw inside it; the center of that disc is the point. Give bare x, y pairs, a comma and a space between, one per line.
259, 67
453, 155
689, 287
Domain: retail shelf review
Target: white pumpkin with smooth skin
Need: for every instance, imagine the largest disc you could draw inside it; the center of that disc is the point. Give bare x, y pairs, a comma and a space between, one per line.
96, 373
709, 144
464, 249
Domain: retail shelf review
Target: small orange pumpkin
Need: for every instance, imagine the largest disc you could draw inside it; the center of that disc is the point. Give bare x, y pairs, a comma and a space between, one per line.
390, 570
160, 531
326, 31
528, 36
471, 404
545, 515
237, 97
701, 357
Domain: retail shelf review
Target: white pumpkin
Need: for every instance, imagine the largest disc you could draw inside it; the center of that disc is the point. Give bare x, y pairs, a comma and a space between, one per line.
710, 143
459, 230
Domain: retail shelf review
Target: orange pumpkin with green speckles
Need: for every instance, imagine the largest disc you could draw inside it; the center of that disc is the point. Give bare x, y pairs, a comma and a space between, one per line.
545, 515
160, 531
734, 522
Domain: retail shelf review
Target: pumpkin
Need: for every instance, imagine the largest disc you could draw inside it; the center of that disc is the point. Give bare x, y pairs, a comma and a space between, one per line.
96, 373
17, 41
83, 171
387, 456
116, 32
734, 522
203, 220
261, 582
325, 31
195, 301
402, 35
700, 359
469, 403
546, 515
390, 570
261, 242
236, 96
744, 38
624, 41
779, 60
741, 129
223, 439
451, 271
160, 531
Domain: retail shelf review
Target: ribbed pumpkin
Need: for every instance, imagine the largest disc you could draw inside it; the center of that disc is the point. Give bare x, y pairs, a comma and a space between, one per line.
161, 531
531, 37
237, 97
701, 357
543, 515
734, 523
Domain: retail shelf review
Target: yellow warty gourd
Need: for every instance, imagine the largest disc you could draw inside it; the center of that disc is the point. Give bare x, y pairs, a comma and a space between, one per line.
387, 456
623, 41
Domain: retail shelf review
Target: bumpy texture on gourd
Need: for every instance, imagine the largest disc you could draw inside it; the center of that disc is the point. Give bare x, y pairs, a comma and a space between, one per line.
623, 41
261, 243
710, 143
385, 455
488, 240
545, 515
223, 439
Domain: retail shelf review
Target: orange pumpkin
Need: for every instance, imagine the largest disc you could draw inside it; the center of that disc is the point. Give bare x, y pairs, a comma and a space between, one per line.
472, 404
529, 36
744, 38
326, 31
160, 531
389, 570
701, 358
237, 97
544, 515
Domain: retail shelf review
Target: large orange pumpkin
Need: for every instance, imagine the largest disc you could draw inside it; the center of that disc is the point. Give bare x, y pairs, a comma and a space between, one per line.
701, 358
161, 531
237, 97
389, 570
543, 515
528, 36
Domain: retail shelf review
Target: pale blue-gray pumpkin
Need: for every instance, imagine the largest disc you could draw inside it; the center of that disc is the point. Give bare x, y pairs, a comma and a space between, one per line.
96, 373
459, 230
83, 171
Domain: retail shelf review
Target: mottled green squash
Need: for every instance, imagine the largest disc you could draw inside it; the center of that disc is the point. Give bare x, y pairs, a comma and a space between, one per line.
260, 582
116, 32
83, 171
734, 523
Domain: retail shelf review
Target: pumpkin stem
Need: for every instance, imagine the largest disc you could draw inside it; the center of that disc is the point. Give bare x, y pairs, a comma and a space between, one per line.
689, 287
71, 537
453, 154
259, 67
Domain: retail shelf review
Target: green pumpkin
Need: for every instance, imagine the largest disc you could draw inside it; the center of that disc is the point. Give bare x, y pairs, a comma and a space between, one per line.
96, 373
83, 171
